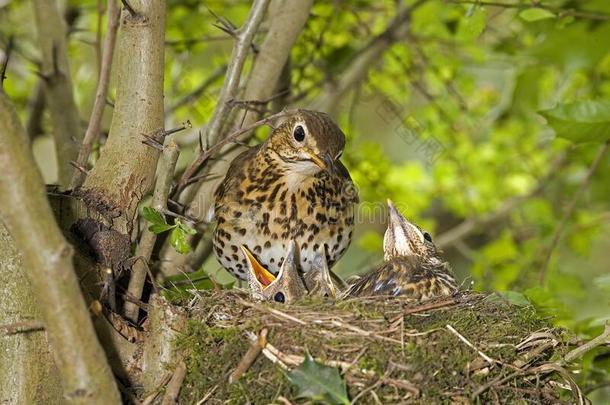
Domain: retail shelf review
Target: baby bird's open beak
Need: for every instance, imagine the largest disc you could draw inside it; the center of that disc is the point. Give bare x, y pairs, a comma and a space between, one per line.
262, 274
402, 238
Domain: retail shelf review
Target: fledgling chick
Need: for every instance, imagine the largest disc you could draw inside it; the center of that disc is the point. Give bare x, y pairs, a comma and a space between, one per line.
319, 280
412, 266
287, 287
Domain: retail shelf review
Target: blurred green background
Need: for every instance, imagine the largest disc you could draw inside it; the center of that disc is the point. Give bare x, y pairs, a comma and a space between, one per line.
447, 124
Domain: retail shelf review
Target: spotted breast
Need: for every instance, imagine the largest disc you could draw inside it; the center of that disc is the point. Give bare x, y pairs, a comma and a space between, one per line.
291, 187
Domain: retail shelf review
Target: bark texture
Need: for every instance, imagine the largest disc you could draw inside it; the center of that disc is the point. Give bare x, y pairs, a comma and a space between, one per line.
26, 213
55, 71
126, 167
28, 374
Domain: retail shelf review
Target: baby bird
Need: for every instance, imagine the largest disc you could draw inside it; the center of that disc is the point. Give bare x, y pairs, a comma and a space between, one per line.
289, 285
412, 266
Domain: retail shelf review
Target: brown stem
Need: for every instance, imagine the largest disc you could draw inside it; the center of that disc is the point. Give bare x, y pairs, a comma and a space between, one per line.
167, 165
213, 130
95, 121
55, 71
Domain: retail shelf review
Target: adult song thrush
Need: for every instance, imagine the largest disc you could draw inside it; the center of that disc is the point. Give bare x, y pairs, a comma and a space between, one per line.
412, 266
292, 187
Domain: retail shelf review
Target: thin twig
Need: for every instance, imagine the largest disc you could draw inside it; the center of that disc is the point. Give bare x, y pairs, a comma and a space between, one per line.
231, 83
7, 56
463, 339
251, 355
272, 311
205, 155
584, 184
167, 165
536, 4
95, 121
602, 339
148, 399
172, 391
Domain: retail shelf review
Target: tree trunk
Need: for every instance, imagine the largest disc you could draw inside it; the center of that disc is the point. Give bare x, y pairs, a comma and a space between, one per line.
28, 374
47, 257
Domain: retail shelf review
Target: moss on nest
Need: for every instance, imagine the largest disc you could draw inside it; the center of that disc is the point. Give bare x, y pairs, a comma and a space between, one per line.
393, 350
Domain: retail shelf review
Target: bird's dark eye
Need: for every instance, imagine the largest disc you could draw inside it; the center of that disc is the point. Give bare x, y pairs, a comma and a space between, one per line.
299, 133
279, 297
427, 237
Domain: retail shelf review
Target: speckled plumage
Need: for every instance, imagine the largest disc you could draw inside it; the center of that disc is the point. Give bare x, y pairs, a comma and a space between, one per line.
278, 191
412, 266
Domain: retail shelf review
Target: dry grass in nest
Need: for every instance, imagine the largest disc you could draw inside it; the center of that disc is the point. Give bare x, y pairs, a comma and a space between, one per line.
463, 349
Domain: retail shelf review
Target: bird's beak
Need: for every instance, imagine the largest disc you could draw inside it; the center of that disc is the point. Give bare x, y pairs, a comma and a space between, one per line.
401, 237
262, 274
325, 162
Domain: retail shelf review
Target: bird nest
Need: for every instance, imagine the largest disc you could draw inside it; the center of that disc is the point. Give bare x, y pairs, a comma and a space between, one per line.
463, 349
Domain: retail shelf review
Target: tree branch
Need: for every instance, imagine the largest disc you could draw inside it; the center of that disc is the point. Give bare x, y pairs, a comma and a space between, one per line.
126, 167
398, 29
599, 16
25, 211
213, 130
55, 72
95, 121
584, 184
167, 165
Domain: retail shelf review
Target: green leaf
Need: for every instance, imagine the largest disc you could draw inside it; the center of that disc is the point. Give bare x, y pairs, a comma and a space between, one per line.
160, 228
153, 216
514, 297
189, 230
178, 241
318, 382
536, 14
584, 121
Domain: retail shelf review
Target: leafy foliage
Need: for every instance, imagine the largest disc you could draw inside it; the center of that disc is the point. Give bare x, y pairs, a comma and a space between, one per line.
316, 381
179, 230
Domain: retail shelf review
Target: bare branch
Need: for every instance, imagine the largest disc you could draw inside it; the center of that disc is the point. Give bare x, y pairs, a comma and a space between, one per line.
167, 165
231, 82
95, 121
584, 184
55, 71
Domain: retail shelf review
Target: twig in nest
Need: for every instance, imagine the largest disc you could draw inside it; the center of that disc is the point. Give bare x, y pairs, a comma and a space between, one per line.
21, 327
272, 311
426, 307
208, 395
175, 384
604, 338
463, 339
151, 397
255, 349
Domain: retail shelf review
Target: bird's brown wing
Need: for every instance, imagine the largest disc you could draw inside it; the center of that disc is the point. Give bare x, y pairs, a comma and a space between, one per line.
235, 174
408, 277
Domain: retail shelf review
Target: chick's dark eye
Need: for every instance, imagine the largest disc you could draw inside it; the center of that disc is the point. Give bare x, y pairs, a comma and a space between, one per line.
279, 297
427, 237
299, 133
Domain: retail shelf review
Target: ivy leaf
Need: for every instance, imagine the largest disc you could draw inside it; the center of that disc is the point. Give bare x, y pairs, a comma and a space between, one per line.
178, 241
153, 216
584, 121
536, 14
160, 228
318, 382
